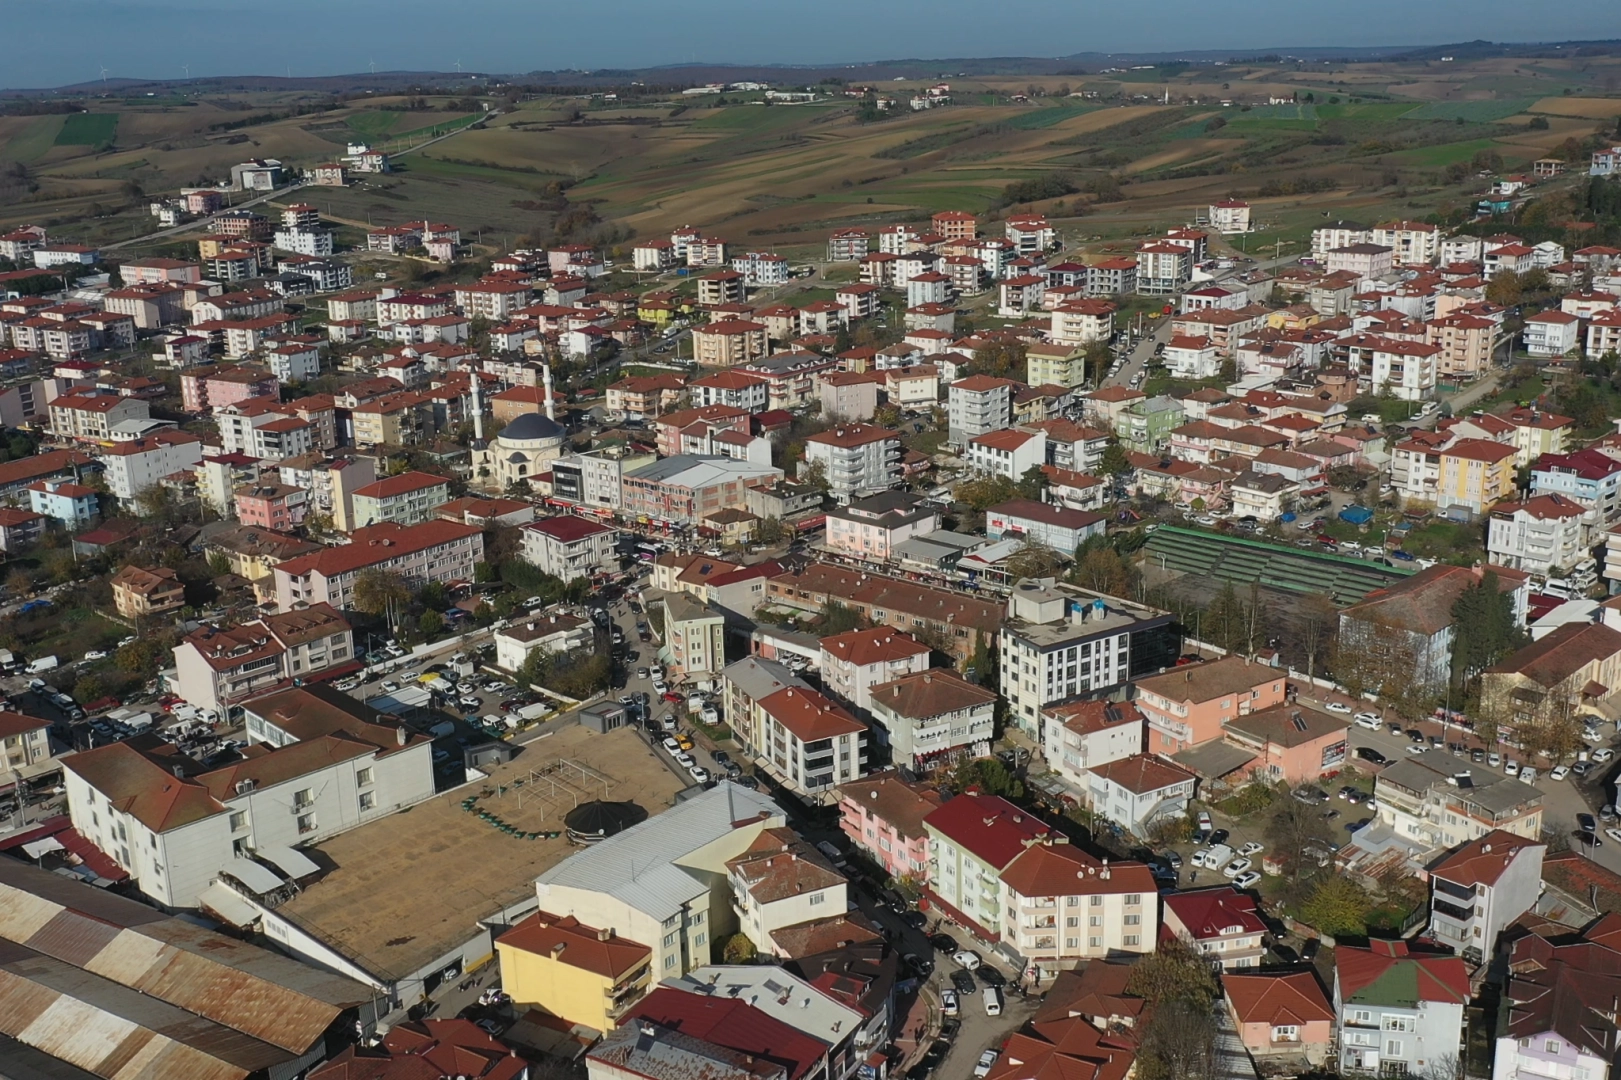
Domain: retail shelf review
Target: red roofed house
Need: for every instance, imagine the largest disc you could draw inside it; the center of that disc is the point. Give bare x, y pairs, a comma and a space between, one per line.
807, 741
1281, 1017
1218, 921
855, 662
1400, 1012
734, 1024
428, 1050
883, 815
568, 547
1560, 1001
1061, 905
441, 551
578, 973
972, 839
1009, 452
1540, 535
406, 499
1477, 889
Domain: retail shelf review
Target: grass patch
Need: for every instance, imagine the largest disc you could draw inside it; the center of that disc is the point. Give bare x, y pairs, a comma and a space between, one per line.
373, 123
1041, 118
35, 141
1475, 112
88, 129
1445, 541
1445, 154
1371, 110
1290, 111
439, 128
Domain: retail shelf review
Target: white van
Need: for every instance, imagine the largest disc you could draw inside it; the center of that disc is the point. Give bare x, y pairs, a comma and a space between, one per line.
993, 1001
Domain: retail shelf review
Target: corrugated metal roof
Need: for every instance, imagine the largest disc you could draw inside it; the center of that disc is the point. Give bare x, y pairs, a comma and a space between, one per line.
639, 865
219, 991
292, 862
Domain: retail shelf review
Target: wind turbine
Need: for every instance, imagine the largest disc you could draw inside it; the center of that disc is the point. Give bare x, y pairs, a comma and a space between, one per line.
458, 65
104, 73
187, 69
373, 67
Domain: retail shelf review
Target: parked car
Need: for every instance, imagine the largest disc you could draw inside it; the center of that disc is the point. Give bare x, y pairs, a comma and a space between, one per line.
967, 959
1236, 867
1247, 880
1559, 772
982, 1068
1369, 754
948, 1002
963, 981
1368, 720
1251, 848
1337, 706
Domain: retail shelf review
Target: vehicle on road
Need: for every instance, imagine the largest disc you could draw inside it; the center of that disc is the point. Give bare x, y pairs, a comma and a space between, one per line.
948, 1002
1369, 754
1337, 706
944, 943
1247, 880
993, 1001
967, 959
963, 981
1586, 823
1603, 754
982, 1068
1368, 720
1559, 772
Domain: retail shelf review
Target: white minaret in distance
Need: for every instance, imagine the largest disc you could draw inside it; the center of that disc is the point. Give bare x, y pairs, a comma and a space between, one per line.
551, 413
478, 408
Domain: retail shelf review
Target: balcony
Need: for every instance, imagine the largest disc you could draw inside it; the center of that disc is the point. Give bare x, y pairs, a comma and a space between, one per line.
1452, 911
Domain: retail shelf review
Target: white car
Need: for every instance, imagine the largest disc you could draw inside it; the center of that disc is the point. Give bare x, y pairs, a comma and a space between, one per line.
1494, 759
411, 676
948, 1002
1613, 834
1559, 772
1236, 867
95, 654
1368, 720
1511, 767
390, 685
983, 1068
1589, 735
1603, 754
1251, 848
698, 773
966, 959
1198, 857
671, 745
1337, 706
1247, 880
686, 760
1416, 748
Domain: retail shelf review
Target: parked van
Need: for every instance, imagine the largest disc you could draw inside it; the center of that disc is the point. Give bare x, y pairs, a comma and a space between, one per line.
993, 1001
44, 663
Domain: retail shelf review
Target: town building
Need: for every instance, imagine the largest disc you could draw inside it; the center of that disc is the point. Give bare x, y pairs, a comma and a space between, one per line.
555, 632
1559, 1004
972, 840
1139, 792
1400, 1011
408, 498
883, 816
1283, 1018
1427, 805
440, 551
1058, 642
856, 459
1220, 922
1478, 889
1061, 906
217, 668
1080, 736
872, 528
694, 637
854, 662
932, 718
581, 974
569, 547
179, 830
138, 592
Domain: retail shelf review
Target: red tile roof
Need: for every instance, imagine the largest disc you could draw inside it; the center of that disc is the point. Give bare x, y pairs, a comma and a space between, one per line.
991, 829
735, 1025
1061, 869
1210, 913
876, 646
1293, 999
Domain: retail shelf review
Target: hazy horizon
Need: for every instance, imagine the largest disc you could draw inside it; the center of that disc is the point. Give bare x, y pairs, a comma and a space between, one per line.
162, 39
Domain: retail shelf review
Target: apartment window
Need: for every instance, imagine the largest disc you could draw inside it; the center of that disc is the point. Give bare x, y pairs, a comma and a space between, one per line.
1285, 1033
1134, 920
1094, 942
1131, 939
1095, 920
1393, 1048
303, 797
1097, 901
700, 939
1072, 943
306, 823
368, 800
1072, 901
669, 940
1072, 921
1397, 1023
817, 898
1551, 1046
1133, 899
363, 777
669, 961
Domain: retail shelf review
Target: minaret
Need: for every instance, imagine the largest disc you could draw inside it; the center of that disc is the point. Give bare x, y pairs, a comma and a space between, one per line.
551, 413
478, 407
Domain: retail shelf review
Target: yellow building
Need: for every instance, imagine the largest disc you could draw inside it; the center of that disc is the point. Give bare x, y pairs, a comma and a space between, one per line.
1475, 473
1055, 365
1298, 317
576, 972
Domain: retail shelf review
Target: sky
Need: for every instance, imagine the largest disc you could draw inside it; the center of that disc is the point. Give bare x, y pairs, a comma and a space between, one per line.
63, 43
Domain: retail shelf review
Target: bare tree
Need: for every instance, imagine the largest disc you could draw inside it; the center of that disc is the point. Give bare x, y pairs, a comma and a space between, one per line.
1318, 620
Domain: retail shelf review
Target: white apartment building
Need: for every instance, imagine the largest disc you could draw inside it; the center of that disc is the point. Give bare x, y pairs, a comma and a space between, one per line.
441, 551
858, 459
1010, 452
782, 881
1221, 923
178, 829
972, 839
569, 547
135, 465
546, 631
408, 498
1340, 234
304, 241
976, 405
1084, 735
933, 717
1479, 888
1059, 642
219, 668
1386, 1028
1230, 216
854, 662
1539, 535
1405, 368
807, 742
1425, 801
1413, 242
1061, 906
1552, 333
871, 528
1192, 358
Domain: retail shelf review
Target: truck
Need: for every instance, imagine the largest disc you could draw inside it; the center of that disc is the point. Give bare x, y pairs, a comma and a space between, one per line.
535, 711
43, 663
439, 685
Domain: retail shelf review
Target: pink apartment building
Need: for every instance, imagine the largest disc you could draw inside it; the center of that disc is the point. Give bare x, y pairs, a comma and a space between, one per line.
1189, 705
883, 816
280, 507
207, 388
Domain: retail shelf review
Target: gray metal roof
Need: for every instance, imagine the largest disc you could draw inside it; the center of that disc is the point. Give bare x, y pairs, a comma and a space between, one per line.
640, 865
1475, 784
776, 993
697, 470
1214, 759
756, 678
643, 1049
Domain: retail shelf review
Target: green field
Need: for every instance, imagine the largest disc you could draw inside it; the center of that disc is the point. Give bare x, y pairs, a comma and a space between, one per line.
1446, 153
35, 141
373, 123
1475, 112
88, 129
1368, 110
1292, 111
1040, 118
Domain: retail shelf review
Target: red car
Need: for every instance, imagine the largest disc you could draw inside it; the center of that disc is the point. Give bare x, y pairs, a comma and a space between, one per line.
1327, 540
673, 697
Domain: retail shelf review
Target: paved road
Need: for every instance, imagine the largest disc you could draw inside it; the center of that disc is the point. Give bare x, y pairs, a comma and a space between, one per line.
201, 222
